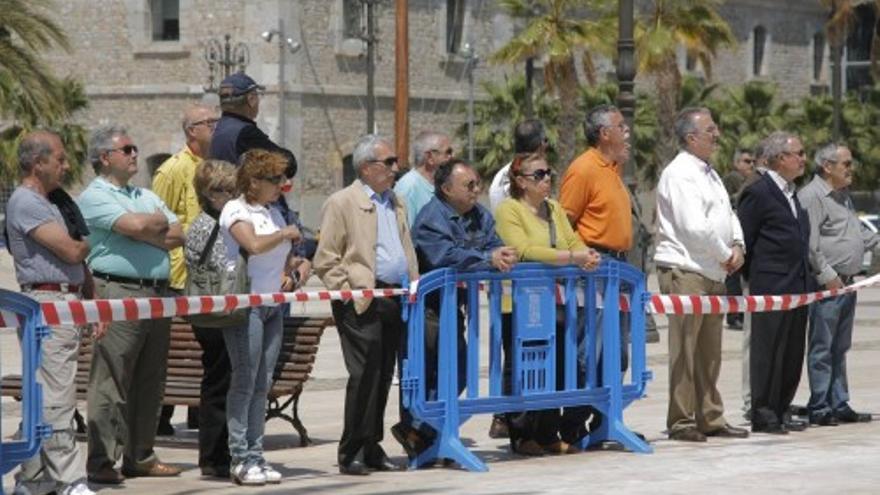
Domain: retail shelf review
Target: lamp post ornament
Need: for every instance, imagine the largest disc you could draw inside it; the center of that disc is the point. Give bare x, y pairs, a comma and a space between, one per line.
222, 58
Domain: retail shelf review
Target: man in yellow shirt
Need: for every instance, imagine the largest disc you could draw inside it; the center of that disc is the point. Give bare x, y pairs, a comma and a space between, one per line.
173, 181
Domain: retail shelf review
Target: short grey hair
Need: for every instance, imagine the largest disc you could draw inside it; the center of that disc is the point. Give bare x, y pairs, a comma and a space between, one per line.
598, 118
684, 123
185, 121
425, 142
101, 142
32, 149
827, 153
775, 146
365, 150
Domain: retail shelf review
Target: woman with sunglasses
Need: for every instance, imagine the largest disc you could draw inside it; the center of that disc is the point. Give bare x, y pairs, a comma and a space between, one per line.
537, 227
255, 233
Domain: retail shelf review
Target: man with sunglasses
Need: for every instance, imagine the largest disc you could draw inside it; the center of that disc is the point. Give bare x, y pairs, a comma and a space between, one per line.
838, 241
741, 173
416, 187
365, 243
700, 242
132, 231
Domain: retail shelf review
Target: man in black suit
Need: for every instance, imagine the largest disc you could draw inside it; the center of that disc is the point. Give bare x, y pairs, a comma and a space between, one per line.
777, 232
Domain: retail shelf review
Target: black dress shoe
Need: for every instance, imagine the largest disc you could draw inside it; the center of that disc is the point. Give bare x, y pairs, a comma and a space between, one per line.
687, 435
847, 415
771, 428
795, 425
354, 468
823, 419
728, 431
384, 464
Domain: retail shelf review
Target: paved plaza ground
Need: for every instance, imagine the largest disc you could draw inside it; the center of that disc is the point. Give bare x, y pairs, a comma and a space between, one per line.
820, 460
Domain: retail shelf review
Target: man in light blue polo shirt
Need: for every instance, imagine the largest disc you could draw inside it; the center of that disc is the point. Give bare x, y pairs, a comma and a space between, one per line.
131, 233
416, 187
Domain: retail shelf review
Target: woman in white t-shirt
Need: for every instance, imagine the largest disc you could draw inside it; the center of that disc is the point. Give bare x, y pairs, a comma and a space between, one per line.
255, 229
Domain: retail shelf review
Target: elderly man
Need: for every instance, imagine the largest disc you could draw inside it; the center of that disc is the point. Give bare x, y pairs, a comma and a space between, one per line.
528, 137
416, 187
365, 243
452, 231
48, 256
735, 181
699, 242
131, 233
777, 232
837, 244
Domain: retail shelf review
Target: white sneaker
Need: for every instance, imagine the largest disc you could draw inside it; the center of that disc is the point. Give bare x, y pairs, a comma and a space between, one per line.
249, 475
272, 476
79, 488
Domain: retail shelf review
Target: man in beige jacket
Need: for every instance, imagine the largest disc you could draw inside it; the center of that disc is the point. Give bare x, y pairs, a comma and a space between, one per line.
365, 243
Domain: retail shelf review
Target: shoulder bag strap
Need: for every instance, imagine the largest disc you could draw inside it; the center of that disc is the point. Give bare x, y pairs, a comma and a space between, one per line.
211, 240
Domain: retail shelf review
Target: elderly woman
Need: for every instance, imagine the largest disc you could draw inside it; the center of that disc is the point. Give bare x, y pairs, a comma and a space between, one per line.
214, 184
255, 233
537, 227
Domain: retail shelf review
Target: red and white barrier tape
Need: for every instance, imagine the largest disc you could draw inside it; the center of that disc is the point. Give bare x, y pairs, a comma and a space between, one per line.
106, 310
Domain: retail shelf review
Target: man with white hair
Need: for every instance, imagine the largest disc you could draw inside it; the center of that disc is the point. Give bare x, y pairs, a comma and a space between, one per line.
416, 187
837, 244
365, 243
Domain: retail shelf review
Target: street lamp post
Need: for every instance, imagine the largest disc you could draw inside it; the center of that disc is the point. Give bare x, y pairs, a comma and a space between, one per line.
626, 73
471, 58
370, 38
285, 45
222, 58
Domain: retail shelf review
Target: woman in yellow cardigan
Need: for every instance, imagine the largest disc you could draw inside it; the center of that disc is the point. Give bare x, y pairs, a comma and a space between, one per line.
537, 227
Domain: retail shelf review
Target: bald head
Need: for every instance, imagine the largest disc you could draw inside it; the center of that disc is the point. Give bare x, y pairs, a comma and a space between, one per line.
198, 126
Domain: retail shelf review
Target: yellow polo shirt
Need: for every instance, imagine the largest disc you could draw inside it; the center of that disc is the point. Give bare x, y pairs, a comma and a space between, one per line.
173, 183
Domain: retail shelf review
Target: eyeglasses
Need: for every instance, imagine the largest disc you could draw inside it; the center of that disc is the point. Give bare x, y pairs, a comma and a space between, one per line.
388, 162
749, 161
448, 151
275, 179
128, 149
801, 153
211, 123
473, 185
540, 174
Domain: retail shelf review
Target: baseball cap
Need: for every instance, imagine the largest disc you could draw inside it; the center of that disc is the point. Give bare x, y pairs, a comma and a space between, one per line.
238, 84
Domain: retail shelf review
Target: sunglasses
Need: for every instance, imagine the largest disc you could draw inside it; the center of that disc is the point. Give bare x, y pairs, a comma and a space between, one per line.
128, 149
275, 179
540, 174
388, 162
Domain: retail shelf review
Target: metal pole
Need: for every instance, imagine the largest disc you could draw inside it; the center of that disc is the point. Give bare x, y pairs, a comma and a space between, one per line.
282, 85
371, 68
626, 73
530, 74
401, 89
471, 63
836, 76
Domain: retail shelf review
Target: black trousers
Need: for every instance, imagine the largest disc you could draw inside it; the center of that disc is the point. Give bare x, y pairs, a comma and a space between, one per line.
369, 343
213, 433
733, 283
776, 357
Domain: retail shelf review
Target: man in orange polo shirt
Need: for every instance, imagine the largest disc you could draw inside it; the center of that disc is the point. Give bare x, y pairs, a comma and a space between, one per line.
597, 201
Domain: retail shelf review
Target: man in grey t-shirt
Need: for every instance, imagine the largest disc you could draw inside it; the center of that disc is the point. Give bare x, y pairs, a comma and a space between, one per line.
49, 267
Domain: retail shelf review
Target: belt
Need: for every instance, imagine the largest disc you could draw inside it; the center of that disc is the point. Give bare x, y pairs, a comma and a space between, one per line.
153, 283
54, 287
385, 285
619, 255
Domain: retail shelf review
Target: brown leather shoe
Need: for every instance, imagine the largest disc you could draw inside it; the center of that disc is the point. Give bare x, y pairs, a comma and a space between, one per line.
106, 476
157, 470
728, 431
687, 435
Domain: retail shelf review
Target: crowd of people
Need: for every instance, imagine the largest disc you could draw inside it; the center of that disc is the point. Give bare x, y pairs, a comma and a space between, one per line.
217, 209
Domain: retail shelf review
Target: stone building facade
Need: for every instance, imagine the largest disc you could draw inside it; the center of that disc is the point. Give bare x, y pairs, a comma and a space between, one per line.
143, 60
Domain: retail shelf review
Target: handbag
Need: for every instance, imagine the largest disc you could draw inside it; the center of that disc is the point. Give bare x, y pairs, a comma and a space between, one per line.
203, 281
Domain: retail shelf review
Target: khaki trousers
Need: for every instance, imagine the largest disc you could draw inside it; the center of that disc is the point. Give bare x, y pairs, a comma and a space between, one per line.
694, 356
126, 384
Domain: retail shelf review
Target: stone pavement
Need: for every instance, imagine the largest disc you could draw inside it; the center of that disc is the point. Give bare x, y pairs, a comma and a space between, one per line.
820, 460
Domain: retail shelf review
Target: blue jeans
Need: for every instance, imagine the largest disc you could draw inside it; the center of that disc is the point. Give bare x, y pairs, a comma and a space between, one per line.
831, 325
253, 352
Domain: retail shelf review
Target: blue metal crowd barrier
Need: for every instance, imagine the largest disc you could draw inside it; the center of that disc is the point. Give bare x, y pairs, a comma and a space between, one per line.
537, 291
32, 428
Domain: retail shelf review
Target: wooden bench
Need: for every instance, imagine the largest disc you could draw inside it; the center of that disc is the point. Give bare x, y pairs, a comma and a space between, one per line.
302, 335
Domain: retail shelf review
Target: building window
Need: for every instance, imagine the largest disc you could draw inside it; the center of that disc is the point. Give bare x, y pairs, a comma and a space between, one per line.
166, 19
352, 19
759, 47
454, 25
818, 55
857, 73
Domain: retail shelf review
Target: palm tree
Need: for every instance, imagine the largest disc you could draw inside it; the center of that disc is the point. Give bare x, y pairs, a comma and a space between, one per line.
558, 33
27, 87
664, 27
